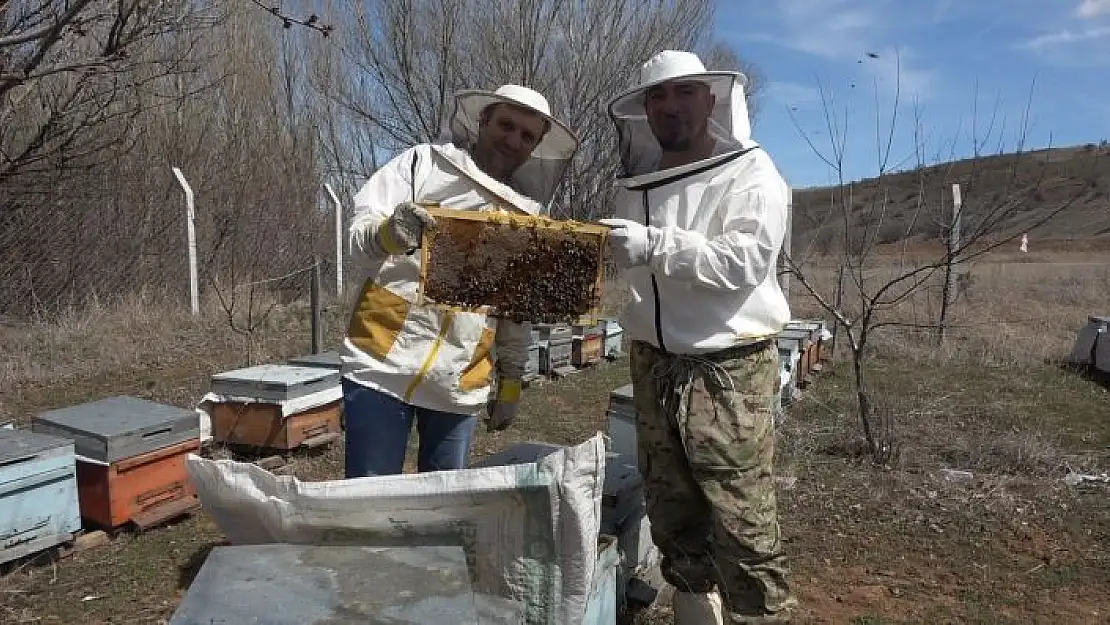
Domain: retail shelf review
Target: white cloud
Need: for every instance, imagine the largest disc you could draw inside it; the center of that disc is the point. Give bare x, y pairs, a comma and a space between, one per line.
1066, 37
1092, 8
846, 31
827, 28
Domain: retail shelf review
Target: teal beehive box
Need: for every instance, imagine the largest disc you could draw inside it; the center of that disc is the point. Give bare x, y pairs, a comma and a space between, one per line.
38, 493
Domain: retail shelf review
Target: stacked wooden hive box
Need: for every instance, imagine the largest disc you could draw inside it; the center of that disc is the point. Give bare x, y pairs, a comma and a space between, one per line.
555, 343
277, 407
623, 510
1091, 350
587, 344
130, 458
612, 338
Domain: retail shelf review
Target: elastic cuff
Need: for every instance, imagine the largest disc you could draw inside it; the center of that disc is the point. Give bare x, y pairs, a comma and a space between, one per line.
385, 238
508, 390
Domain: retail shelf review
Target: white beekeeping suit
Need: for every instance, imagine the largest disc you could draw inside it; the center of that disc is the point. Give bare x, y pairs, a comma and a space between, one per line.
717, 224
700, 218
431, 358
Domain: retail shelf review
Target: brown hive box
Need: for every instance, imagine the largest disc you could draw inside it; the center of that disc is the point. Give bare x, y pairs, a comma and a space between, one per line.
522, 267
262, 425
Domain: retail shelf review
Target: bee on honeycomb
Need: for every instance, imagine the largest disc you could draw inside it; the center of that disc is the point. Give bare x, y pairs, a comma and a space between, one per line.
520, 270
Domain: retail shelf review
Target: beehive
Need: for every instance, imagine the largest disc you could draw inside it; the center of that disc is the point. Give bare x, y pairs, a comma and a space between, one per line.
130, 457
38, 493
521, 267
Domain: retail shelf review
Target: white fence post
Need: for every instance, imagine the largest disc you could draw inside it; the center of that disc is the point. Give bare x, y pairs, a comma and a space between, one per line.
191, 235
338, 240
786, 242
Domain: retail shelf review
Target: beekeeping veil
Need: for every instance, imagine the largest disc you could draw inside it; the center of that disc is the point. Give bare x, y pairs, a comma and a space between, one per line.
539, 177
728, 125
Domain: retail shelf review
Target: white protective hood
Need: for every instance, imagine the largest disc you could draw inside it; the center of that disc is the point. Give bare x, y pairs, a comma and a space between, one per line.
539, 178
729, 123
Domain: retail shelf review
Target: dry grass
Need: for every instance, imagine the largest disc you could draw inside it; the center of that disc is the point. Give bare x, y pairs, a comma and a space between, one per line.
1020, 309
143, 345
910, 543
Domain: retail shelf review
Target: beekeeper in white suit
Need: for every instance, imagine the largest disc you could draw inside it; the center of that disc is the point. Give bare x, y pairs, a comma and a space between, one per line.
404, 363
701, 213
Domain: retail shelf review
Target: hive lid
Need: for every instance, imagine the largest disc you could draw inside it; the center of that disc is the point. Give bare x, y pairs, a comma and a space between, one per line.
274, 382
114, 416
622, 394
521, 453
280, 584
119, 427
19, 444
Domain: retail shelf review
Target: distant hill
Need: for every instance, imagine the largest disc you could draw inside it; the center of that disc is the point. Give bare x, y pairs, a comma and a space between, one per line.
913, 204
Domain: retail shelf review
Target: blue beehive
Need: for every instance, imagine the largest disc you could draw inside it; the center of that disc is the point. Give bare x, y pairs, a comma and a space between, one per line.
38, 493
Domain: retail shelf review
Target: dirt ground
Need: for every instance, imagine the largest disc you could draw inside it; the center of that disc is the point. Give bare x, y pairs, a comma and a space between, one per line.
973, 523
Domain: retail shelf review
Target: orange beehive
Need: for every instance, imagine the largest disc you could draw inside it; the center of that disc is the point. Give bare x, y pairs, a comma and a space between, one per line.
145, 489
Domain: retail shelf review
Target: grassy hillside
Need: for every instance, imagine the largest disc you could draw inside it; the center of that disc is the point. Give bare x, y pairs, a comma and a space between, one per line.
1015, 190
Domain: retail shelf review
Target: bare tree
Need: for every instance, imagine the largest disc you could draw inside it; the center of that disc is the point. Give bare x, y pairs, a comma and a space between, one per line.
89, 205
873, 286
70, 71
74, 76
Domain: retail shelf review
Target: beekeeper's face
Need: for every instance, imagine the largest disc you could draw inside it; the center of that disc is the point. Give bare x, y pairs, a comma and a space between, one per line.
678, 113
507, 135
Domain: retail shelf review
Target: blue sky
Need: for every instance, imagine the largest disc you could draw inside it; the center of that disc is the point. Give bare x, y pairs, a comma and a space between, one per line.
958, 64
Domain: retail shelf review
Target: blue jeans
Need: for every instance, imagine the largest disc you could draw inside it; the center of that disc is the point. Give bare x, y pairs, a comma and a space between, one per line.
378, 427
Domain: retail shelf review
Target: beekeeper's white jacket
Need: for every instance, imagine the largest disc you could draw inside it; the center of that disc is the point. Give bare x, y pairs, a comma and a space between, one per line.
712, 280
434, 359
711, 283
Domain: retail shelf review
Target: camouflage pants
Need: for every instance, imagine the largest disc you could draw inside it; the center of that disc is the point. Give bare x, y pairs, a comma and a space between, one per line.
706, 441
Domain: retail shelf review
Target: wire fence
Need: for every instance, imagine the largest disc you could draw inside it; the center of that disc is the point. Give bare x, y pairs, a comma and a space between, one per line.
60, 256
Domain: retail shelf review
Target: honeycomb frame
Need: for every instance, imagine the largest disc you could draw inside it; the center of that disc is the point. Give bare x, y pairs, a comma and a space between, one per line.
534, 253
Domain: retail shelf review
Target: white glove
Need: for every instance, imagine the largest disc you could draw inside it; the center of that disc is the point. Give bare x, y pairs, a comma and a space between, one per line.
630, 243
503, 408
401, 233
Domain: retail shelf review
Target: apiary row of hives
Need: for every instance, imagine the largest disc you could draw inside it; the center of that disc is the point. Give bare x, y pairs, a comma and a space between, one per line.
803, 351
560, 348
107, 463
120, 461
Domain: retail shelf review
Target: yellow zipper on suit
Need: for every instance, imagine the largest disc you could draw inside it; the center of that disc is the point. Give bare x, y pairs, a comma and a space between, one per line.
448, 319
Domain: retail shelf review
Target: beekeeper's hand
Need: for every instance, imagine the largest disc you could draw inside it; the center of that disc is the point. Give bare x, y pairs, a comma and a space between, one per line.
630, 243
504, 406
401, 233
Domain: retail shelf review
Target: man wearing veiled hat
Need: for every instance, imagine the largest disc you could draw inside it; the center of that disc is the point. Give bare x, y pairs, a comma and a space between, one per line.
405, 363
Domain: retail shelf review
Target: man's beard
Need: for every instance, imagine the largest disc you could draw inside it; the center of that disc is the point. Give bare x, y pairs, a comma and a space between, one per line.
496, 165
675, 144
